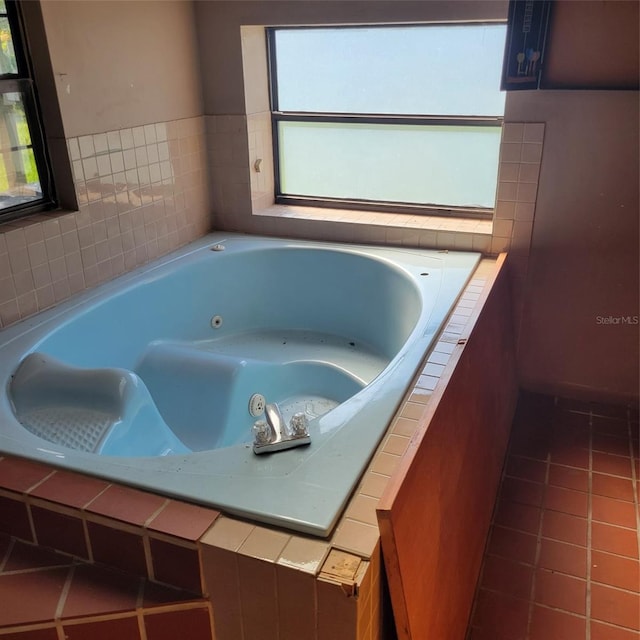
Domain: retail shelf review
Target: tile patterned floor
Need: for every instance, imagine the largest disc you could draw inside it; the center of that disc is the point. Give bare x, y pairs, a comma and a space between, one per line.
562, 560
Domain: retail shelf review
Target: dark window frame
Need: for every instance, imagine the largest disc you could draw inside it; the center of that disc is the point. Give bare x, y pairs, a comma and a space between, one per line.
278, 116
23, 82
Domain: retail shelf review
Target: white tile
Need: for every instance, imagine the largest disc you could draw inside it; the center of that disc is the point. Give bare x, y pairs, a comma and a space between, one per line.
90, 168
86, 146
510, 152
104, 165
531, 152
512, 132
126, 138
74, 149
113, 141
100, 143
505, 209
524, 211
117, 162
150, 133
138, 137
78, 172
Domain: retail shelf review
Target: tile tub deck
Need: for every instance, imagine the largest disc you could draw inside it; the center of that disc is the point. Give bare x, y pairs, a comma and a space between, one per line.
236, 571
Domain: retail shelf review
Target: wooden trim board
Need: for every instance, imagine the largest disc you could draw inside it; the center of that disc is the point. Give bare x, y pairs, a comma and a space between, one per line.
436, 510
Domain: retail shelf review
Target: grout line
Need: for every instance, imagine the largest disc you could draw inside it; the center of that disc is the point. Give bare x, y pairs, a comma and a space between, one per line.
148, 556
32, 524
141, 627
18, 572
532, 595
35, 485
565, 611
589, 529
560, 540
203, 584
615, 554
567, 466
613, 625
612, 586
634, 478
560, 573
84, 507
148, 521
87, 537
4, 560
65, 592
140, 594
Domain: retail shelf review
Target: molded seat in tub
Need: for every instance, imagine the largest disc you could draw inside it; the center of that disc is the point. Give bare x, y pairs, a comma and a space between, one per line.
205, 395
106, 411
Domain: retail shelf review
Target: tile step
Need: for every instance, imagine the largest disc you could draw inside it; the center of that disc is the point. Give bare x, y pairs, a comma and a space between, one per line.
41, 588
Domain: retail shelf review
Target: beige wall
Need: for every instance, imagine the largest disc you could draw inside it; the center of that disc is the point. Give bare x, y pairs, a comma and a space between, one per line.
122, 64
583, 259
220, 42
233, 52
584, 250
593, 44
128, 147
584, 253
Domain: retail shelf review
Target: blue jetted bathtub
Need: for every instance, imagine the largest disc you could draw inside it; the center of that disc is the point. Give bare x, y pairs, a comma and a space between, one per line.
148, 379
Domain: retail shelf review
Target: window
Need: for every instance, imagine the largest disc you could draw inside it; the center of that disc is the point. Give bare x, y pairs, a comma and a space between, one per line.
24, 177
398, 118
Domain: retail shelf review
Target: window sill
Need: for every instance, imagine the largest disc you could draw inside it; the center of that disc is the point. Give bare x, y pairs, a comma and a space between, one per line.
464, 226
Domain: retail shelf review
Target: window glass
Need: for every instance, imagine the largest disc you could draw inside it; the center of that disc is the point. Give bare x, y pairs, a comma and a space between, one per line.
8, 64
393, 115
445, 70
22, 164
438, 165
19, 180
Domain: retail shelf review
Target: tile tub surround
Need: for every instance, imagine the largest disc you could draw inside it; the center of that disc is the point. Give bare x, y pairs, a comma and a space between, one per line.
222, 475
435, 513
347, 595
99, 558
242, 200
242, 196
334, 585
144, 534
141, 192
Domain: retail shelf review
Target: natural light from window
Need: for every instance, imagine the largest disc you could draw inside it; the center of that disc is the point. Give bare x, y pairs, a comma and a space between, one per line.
21, 183
406, 114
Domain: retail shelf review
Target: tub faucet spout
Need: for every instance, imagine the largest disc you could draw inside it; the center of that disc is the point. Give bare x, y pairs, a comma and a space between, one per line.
276, 421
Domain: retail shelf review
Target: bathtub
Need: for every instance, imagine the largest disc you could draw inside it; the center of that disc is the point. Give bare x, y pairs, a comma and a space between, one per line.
148, 380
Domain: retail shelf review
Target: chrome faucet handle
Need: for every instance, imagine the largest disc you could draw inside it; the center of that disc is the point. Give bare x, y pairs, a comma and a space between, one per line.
299, 424
262, 432
273, 434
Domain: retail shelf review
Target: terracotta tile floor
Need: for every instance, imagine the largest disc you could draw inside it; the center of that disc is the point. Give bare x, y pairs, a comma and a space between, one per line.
562, 559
